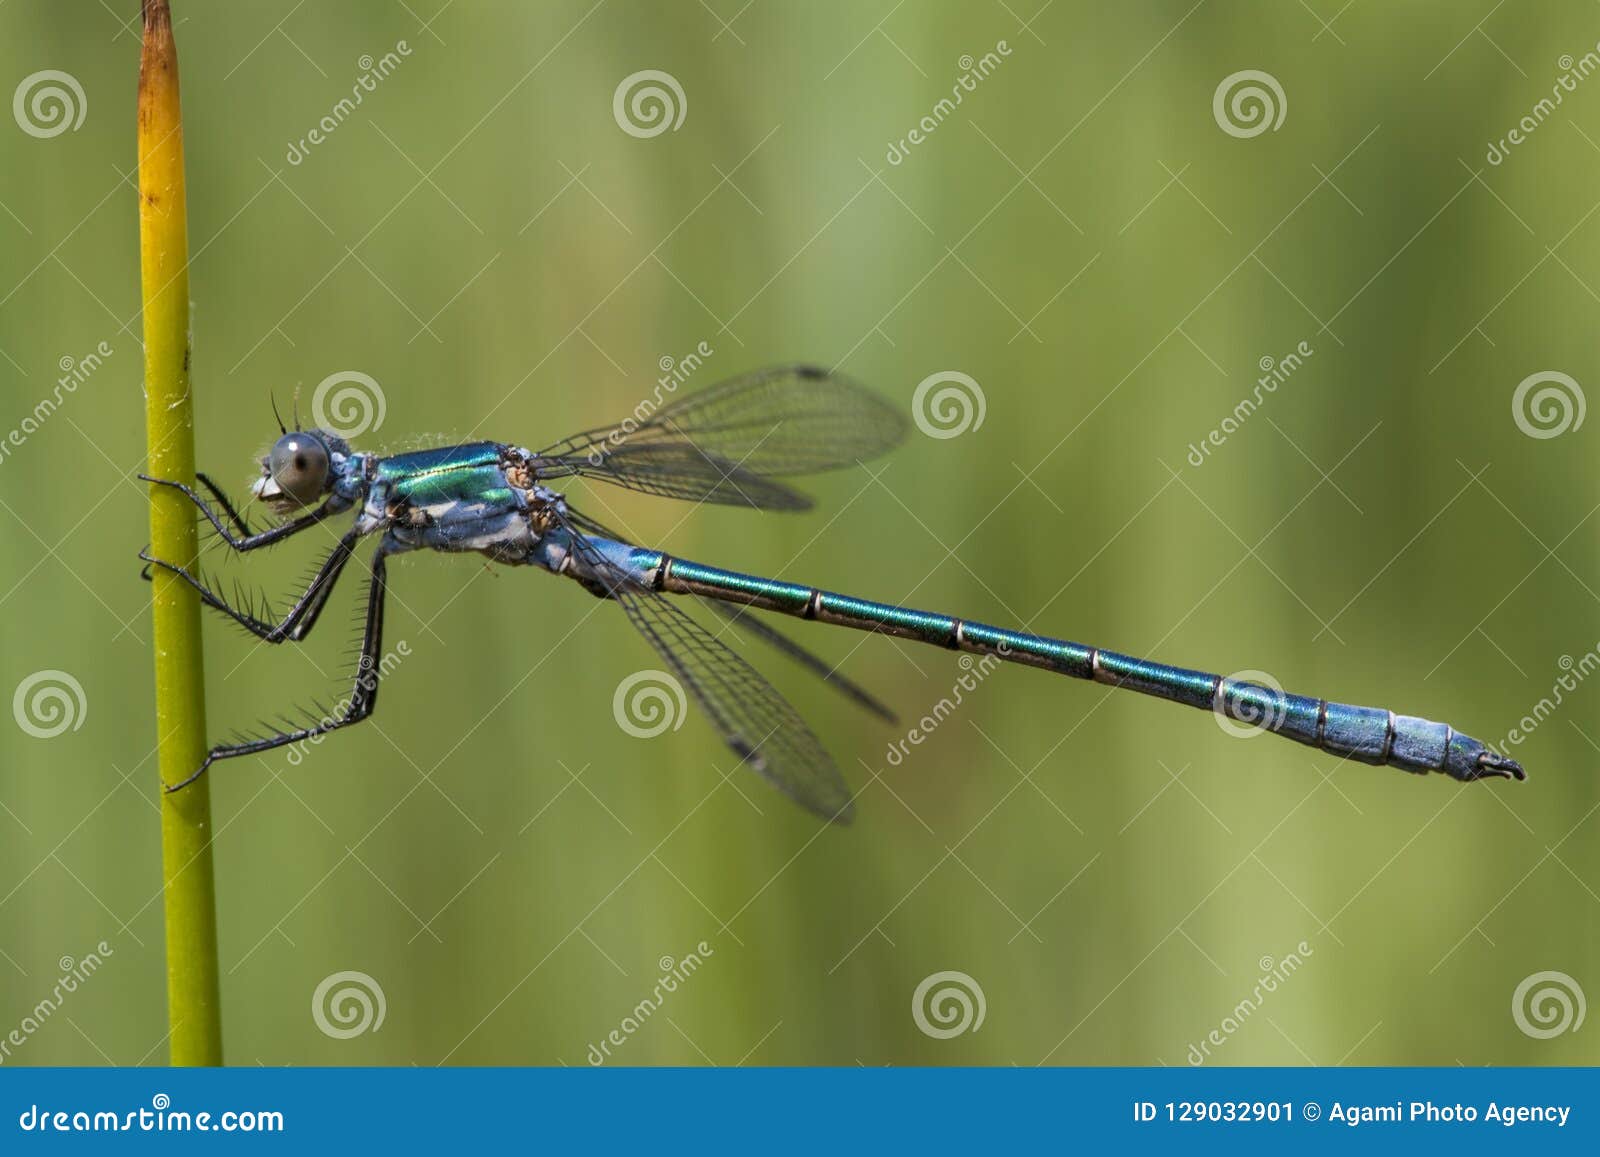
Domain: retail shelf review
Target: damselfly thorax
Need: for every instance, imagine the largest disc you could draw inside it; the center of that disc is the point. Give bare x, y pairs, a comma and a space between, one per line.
481, 496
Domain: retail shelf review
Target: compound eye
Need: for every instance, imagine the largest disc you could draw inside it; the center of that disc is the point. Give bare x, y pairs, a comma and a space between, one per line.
299, 466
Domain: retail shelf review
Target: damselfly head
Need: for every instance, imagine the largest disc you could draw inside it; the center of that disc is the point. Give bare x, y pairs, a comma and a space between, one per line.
300, 469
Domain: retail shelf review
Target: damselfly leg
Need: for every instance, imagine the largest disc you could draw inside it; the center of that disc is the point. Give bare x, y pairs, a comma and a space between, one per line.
363, 691
222, 500
303, 614
245, 541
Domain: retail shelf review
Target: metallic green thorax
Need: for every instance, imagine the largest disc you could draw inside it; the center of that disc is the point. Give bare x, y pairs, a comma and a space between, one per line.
469, 473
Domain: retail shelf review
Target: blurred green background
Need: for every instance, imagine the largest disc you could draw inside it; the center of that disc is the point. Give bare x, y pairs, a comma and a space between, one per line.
1082, 238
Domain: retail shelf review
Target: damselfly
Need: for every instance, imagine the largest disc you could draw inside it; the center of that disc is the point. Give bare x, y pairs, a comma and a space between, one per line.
730, 444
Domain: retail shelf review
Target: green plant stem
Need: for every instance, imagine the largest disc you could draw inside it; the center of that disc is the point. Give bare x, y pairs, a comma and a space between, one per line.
192, 986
